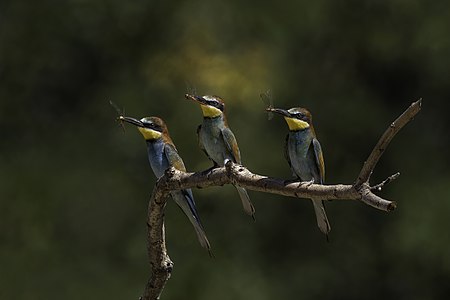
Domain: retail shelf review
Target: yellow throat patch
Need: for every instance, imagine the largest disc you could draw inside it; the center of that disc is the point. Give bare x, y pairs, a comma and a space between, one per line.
149, 134
210, 111
296, 124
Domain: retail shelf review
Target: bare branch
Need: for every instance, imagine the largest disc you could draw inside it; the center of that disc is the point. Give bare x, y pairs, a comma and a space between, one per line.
373, 200
388, 180
160, 263
384, 141
235, 174
239, 175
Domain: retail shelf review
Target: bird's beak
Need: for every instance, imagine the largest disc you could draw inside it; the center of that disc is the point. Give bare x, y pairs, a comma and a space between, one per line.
195, 98
279, 111
131, 121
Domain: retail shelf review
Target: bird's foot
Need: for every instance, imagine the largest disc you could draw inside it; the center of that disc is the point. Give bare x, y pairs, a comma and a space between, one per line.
307, 183
210, 169
226, 161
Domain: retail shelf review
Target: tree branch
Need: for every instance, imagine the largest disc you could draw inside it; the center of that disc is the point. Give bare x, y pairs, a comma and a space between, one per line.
161, 265
388, 180
384, 141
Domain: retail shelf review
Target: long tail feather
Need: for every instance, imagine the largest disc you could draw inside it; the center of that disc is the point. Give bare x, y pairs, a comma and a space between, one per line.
246, 203
185, 201
322, 220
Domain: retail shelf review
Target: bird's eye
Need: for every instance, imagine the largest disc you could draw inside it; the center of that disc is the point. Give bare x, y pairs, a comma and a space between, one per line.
215, 104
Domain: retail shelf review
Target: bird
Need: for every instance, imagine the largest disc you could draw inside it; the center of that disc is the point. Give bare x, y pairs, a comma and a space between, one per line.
304, 155
217, 140
162, 154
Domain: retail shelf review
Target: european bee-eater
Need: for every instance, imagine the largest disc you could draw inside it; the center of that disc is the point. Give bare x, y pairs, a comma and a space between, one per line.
304, 154
162, 154
217, 140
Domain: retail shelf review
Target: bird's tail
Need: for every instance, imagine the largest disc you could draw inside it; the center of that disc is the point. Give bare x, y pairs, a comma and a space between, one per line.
248, 206
185, 201
322, 220
201, 235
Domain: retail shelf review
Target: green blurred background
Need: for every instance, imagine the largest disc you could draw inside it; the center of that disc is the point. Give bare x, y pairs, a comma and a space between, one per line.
74, 188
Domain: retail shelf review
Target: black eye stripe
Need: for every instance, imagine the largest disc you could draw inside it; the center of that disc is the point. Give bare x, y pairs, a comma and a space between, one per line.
152, 126
300, 116
215, 104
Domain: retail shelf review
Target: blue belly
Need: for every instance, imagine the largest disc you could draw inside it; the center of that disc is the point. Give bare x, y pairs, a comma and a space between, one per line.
211, 137
301, 155
157, 157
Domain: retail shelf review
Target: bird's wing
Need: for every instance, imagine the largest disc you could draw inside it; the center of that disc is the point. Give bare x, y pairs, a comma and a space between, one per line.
233, 149
185, 201
286, 150
319, 159
200, 144
286, 155
174, 159
231, 143
202, 147
184, 198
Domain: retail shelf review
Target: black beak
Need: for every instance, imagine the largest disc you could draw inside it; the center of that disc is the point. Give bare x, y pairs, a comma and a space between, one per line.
195, 98
279, 111
131, 121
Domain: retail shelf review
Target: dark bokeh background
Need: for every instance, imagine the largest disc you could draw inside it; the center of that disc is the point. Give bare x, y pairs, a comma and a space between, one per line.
74, 188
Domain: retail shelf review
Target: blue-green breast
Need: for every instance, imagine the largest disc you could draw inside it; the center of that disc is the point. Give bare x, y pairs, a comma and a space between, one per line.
211, 137
157, 157
301, 154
